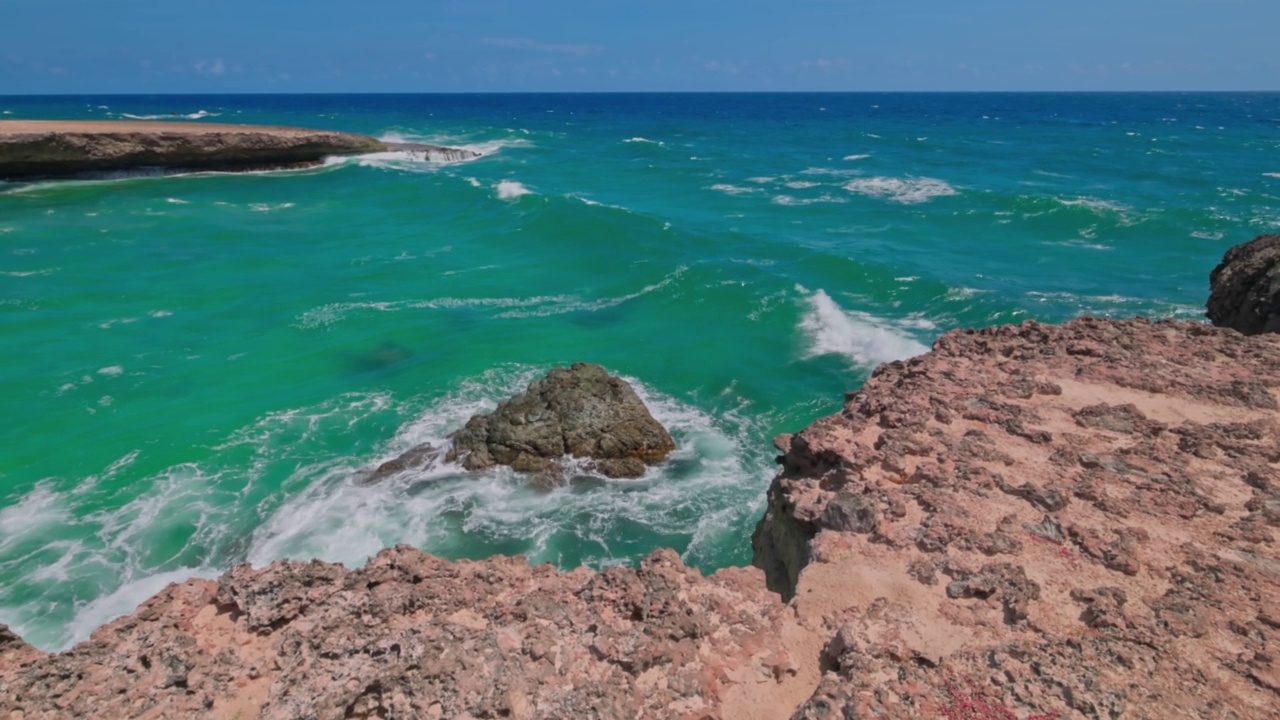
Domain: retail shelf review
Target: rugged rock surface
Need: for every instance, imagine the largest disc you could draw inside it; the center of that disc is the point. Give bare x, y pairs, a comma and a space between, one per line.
1076, 521
64, 148
1245, 287
412, 636
581, 412
1030, 521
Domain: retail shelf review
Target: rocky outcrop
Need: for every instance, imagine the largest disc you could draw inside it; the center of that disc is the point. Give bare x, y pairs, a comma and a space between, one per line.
1245, 287
1072, 521
413, 636
580, 412
32, 149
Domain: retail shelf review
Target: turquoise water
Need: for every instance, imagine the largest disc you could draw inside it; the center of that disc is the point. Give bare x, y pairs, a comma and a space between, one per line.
196, 366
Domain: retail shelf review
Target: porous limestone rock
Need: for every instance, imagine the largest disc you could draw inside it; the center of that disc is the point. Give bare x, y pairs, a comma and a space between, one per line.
1073, 521
413, 636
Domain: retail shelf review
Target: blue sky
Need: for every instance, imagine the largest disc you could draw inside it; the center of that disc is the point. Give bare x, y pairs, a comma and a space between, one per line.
202, 46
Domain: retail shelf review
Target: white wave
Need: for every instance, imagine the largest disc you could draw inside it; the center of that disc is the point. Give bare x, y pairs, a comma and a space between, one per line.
863, 338
29, 273
824, 198
801, 184
198, 115
177, 201
1101, 208
729, 189
444, 510
597, 203
270, 207
124, 600
1272, 175
483, 148
111, 371
647, 141
908, 190
594, 305
511, 190
327, 315
856, 157
1121, 306
1206, 235
39, 509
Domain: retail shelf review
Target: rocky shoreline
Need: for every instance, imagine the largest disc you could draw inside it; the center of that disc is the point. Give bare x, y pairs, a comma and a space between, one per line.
57, 149
1072, 521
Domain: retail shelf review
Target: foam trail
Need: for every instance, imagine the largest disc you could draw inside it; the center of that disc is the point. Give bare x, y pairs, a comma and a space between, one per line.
863, 338
198, 115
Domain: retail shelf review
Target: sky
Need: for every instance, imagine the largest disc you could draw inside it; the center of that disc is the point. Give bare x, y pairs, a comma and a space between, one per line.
280, 46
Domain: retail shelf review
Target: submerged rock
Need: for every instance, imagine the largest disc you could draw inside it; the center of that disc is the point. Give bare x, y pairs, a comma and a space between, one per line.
1245, 287
580, 412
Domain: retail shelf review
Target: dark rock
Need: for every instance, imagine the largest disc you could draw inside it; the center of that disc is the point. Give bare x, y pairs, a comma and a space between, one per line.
582, 412
68, 148
1245, 287
848, 512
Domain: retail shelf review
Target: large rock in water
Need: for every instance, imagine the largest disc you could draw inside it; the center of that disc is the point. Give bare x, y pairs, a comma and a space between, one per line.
581, 411
1245, 287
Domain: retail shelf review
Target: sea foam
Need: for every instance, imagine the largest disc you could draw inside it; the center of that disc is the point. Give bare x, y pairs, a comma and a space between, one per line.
908, 190
863, 338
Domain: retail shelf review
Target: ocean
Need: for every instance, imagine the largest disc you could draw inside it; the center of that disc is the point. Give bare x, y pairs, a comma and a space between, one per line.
195, 367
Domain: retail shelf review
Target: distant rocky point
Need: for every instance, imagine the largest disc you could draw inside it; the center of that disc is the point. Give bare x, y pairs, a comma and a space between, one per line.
1245, 287
578, 413
32, 149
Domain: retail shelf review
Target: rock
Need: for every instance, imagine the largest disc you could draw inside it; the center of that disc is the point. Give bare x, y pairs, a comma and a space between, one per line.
11, 643
1073, 521
30, 149
1245, 287
414, 636
581, 411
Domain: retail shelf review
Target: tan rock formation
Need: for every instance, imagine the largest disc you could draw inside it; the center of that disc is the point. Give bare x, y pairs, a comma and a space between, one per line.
1071, 520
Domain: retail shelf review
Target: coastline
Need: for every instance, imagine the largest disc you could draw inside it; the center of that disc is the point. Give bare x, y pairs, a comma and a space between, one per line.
975, 504
1072, 482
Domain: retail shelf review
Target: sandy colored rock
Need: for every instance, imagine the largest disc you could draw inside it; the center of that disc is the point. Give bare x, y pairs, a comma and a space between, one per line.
1070, 521
31, 148
414, 636
1245, 287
